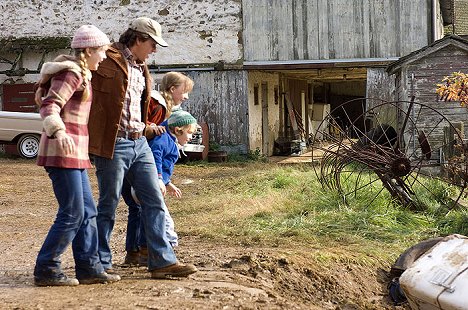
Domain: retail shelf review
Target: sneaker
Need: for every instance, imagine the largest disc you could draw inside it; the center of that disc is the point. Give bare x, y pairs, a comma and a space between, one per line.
103, 277
60, 280
174, 270
132, 258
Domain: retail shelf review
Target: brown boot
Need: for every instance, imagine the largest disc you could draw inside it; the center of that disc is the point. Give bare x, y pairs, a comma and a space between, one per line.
174, 270
132, 258
143, 259
103, 277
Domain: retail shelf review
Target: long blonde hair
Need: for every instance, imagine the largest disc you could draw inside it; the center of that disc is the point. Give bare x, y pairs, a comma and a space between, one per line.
80, 54
174, 79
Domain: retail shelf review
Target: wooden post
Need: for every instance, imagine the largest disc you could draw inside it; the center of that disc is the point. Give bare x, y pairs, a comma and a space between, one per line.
292, 116
452, 135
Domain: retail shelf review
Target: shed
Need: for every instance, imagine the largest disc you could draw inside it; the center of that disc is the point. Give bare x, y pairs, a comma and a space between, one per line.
418, 73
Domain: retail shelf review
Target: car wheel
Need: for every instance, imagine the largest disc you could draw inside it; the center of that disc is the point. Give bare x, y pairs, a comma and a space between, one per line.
28, 146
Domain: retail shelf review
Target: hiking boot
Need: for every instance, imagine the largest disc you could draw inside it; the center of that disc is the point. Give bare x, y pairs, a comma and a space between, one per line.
174, 270
60, 280
143, 257
132, 258
103, 277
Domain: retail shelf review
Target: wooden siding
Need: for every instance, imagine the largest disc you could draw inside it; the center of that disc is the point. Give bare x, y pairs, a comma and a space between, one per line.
379, 84
219, 98
334, 29
419, 78
424, 74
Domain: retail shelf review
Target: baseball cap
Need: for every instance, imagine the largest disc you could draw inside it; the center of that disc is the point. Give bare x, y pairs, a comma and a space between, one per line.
150, 27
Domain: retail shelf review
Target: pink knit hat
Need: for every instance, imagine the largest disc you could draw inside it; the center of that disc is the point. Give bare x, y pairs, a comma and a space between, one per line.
89, 36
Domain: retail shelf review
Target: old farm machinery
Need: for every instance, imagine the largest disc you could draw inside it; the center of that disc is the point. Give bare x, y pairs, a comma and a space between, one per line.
404, 149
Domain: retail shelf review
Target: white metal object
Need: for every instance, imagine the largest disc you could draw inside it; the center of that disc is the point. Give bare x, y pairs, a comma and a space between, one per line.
14, 124
193, 148
439, 278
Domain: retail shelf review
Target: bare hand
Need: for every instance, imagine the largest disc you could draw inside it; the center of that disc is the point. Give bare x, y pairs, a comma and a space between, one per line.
159, 130
65, 142
174, 190
162, 187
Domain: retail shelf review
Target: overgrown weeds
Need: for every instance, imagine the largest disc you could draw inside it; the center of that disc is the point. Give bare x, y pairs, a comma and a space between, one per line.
266, 204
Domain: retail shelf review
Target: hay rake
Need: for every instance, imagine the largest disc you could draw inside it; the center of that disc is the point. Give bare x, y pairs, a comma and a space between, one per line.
373, 147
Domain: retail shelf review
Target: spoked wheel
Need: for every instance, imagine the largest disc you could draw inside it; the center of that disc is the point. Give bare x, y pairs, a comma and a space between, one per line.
404, 152
28, 145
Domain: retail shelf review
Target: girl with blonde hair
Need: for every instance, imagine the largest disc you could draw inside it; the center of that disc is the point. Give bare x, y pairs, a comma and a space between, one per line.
174, 90
64, 99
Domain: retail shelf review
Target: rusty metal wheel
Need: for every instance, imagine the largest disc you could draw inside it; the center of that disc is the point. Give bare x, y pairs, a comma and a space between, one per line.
404, 151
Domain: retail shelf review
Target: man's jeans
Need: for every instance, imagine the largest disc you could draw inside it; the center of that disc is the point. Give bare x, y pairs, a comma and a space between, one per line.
134, 161
75, 223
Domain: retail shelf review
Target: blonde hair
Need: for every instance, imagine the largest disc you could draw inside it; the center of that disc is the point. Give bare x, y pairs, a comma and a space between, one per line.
80, 54
178, 131
174, 79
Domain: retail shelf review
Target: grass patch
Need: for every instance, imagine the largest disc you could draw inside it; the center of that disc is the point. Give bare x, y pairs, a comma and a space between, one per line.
265, 204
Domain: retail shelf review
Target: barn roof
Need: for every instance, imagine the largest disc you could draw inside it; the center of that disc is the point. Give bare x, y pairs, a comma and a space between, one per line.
427, 50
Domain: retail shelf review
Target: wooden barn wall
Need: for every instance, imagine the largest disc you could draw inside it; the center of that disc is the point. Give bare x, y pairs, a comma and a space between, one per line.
219, 98
334, 29
420, 78
379, 84
381, 87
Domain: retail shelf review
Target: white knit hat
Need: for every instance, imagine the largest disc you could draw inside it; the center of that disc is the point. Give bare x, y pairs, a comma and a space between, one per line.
89, 36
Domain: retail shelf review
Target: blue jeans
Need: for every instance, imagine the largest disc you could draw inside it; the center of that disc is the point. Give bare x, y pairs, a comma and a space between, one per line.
134, 161
132, 241
136, 237
75, 223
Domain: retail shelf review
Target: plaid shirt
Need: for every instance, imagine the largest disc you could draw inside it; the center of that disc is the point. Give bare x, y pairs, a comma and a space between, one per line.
131, 113
64, 99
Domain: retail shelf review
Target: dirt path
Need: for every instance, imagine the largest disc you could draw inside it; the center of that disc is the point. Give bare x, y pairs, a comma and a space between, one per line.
229, 277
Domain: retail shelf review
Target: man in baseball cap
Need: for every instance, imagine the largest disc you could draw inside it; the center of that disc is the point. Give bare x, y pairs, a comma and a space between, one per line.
117, 126
150, 27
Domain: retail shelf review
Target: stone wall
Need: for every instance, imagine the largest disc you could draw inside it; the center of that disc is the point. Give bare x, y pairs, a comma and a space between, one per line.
197, 31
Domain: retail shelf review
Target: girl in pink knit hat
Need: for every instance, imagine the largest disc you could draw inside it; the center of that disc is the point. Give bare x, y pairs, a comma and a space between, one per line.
64, 99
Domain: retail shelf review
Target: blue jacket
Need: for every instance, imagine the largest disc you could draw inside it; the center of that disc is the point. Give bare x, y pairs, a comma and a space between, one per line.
166, 153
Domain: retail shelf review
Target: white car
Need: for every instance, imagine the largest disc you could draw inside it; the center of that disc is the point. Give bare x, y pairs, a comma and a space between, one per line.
22, 129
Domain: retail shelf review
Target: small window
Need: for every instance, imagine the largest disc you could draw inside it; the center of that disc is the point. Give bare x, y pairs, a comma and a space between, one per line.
276, 94
256, 94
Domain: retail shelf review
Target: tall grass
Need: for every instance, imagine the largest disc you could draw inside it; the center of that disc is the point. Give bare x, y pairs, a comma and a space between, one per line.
266, 204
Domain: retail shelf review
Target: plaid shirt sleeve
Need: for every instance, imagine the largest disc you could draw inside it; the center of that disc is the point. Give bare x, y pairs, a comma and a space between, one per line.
62, 87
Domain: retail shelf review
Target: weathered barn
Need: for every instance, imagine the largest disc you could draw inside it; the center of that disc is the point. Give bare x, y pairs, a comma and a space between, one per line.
322, 53
250, 59
418, 73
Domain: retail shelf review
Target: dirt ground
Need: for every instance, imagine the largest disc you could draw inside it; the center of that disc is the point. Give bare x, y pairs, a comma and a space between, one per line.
228, 278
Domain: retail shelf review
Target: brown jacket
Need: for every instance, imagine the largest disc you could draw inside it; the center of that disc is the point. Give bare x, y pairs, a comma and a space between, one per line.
110, 83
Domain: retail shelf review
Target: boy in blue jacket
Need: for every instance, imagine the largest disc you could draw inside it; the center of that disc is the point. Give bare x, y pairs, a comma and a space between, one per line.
179, 129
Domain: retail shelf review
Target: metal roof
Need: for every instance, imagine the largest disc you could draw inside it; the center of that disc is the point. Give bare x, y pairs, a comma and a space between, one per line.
318, 64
